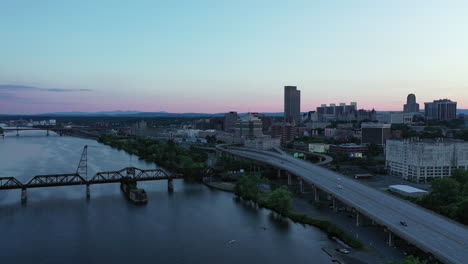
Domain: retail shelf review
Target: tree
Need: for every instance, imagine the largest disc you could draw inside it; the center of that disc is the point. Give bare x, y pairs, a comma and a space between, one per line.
447, 190
410, 260
280, 200
461, 176
463, 212
247, 187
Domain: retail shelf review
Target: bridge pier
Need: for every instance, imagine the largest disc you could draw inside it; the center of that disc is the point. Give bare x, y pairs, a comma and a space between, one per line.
390, 238
316, 197
170, 185
47, 132
358, 220
88, 191
335, 207
24, 195
17, 133
301, 187
279, 173
289, 179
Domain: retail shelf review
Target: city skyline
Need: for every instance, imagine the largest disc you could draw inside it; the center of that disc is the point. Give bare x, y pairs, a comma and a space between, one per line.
216, 57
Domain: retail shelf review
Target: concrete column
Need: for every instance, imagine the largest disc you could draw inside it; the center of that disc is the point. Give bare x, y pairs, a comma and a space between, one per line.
88, 192
47, 132
24, 196
301, 187
335, 206
289, 179
170, 185
390, 238
358, 220
17, 133
279, 173
316, 197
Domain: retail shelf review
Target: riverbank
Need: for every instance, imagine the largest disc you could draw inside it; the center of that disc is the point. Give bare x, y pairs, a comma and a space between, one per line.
223, 186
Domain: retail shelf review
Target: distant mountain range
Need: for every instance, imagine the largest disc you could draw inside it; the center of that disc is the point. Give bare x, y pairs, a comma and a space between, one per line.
120, 113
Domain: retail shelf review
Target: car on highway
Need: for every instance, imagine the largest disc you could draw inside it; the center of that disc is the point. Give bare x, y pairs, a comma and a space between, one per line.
342, 250
403, 223
339, 187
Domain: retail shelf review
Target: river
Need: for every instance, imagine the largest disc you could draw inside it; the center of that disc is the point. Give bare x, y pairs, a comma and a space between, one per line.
191, 225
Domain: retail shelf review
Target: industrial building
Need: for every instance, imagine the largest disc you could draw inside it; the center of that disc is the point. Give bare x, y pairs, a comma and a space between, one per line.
422, 160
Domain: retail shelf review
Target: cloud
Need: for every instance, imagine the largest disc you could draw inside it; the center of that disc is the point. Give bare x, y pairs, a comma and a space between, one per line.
11, 87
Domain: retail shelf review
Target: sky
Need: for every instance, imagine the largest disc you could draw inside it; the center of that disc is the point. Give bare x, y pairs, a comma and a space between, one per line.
218, 56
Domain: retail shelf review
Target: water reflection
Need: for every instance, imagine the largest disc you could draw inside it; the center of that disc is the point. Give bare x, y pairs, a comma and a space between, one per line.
190, 225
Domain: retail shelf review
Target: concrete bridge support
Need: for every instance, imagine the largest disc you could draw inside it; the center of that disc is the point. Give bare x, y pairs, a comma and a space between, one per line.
301, 186
47, 132
289, 179
17, 133
24, 196
279, 173
335, 205
170, 185
390, 238
316, 196
358, 219
88, 192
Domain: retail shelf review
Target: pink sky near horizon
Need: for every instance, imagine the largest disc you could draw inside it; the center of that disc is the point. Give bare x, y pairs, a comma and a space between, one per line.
33, 102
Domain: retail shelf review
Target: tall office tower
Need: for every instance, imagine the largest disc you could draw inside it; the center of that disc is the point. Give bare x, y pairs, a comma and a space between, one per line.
230, 120
411, 106
440, 110
292, 104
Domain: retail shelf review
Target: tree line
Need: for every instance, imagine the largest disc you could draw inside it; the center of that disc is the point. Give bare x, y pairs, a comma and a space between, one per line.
165, 153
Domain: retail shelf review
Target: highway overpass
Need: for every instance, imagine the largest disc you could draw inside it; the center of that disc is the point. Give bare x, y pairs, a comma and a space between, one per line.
444, 239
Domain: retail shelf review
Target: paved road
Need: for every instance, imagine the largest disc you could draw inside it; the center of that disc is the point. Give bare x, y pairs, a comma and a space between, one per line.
445, 239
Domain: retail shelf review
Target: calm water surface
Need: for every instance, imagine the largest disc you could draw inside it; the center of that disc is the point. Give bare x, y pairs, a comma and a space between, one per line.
191, 225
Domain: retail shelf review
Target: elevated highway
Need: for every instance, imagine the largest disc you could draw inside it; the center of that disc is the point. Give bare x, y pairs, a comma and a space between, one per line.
444, 239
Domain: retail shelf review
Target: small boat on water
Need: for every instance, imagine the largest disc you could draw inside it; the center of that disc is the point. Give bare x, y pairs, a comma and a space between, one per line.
132, 192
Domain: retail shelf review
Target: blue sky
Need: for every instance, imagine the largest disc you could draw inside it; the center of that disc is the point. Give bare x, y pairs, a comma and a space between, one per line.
217, 56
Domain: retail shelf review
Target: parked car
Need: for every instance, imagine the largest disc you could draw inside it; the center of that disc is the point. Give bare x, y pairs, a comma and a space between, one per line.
339, 187
403, 223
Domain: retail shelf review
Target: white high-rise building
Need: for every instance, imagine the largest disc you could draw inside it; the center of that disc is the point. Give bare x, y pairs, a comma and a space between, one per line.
423, 160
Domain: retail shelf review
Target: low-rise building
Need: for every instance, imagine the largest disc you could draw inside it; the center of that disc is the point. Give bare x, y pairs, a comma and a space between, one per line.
422, 160
262, 142
350, 150
319, 147
406, 190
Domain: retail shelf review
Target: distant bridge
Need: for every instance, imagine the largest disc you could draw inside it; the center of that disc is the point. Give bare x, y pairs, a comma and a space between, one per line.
83, 131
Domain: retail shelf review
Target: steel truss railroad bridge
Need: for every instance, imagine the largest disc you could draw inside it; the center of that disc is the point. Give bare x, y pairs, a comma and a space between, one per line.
53, 180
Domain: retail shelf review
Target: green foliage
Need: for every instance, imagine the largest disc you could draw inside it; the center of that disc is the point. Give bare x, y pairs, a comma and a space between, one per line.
247, 187
462, 134
449, 196
446, 190
410, 260
227, 164
211, 139
280, 199
164, 153
328, 227
461, 176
